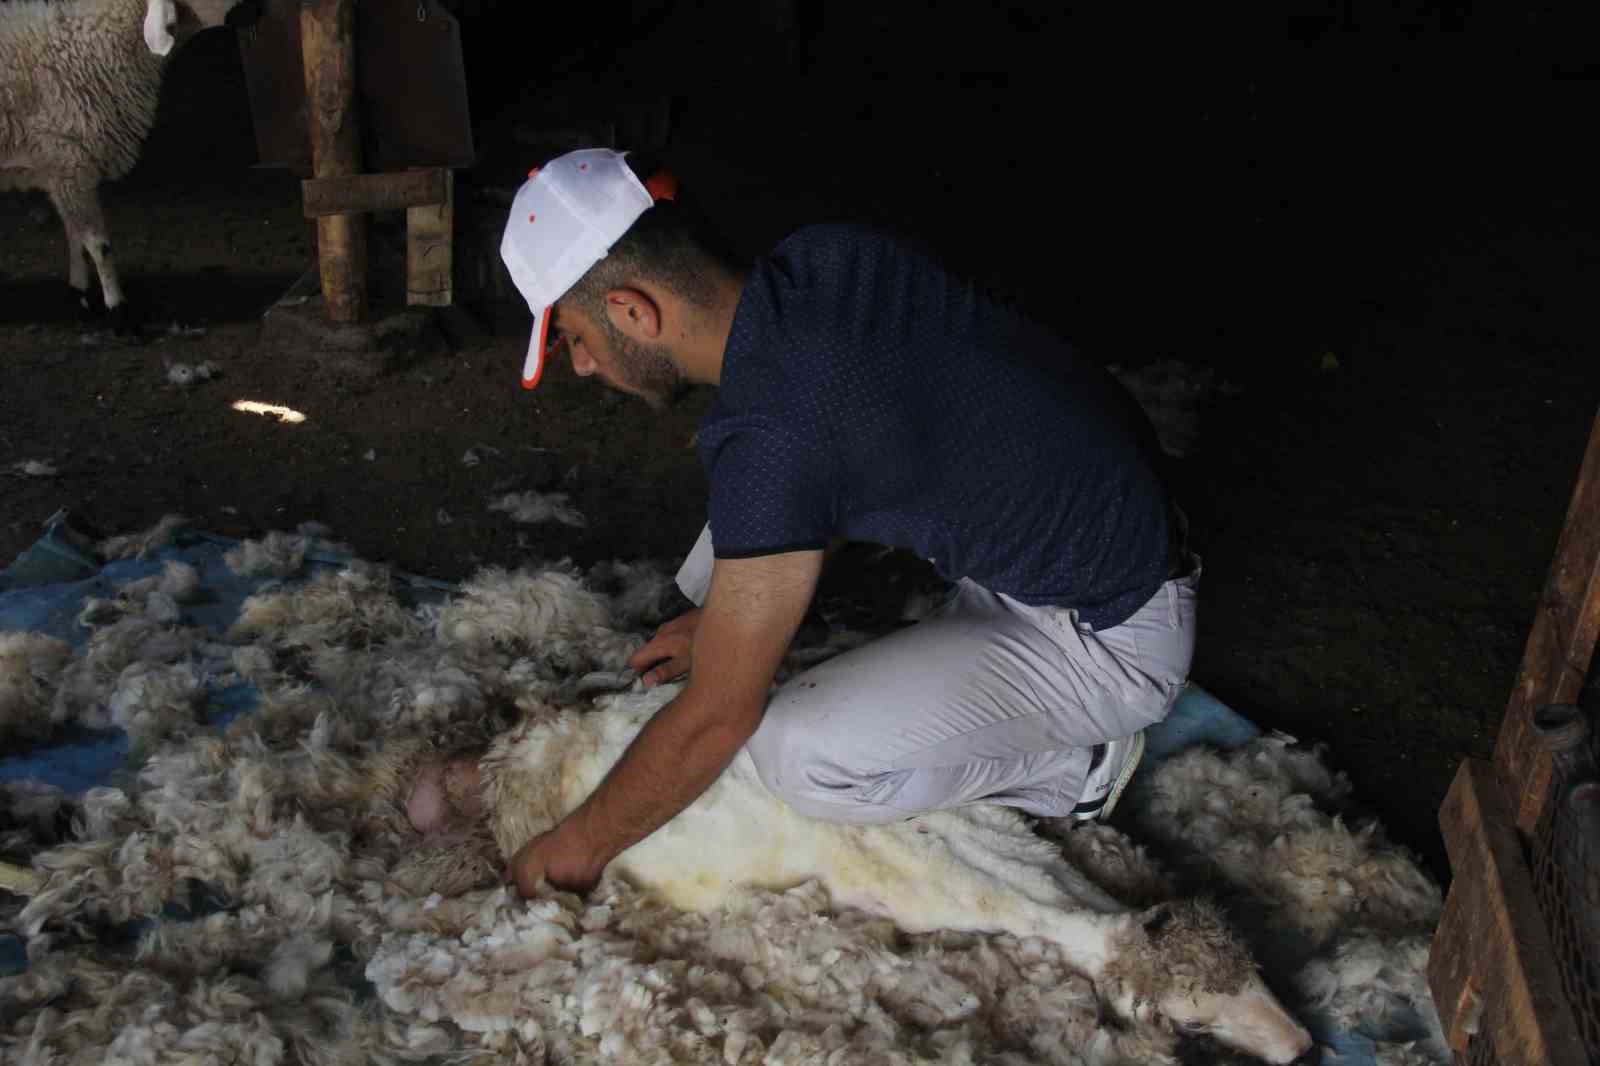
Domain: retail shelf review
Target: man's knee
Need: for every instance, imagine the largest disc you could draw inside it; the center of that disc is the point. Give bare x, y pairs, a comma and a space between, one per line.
795, 765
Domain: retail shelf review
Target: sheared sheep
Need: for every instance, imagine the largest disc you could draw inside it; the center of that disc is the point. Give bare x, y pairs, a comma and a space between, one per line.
79, 82
978, 869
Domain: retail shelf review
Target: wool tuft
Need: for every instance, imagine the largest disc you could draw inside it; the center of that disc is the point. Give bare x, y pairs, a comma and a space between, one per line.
352, 608
277, 554
292, 963
152, 702
550, 617
534, 507
140, 545
30, 668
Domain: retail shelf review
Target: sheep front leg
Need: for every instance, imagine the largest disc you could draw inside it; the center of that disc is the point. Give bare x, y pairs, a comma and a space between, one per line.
78, 202
77, 265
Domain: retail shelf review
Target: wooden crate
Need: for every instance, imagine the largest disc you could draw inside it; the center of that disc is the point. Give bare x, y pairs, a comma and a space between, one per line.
1512, 974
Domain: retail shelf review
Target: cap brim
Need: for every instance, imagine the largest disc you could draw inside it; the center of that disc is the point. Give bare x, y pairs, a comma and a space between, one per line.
533, 365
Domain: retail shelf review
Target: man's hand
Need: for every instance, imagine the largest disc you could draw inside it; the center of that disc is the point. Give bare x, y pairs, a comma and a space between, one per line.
667, 655
752, 611
556, 857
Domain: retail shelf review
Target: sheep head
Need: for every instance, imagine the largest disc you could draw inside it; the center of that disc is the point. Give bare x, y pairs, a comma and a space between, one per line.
167, 23
1180, 963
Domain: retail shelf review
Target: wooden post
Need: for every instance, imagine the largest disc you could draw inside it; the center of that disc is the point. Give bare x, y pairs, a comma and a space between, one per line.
429, 232
389, 191
1560, 646
327, 41
1493, 970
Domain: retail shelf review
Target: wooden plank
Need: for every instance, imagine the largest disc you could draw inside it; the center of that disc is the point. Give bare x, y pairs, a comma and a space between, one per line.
1560, 646
1492, 968
1457, 990
430, 257
327, 41
394, 191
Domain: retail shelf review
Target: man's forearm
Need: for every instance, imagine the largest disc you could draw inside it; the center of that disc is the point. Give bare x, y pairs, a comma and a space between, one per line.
675, 757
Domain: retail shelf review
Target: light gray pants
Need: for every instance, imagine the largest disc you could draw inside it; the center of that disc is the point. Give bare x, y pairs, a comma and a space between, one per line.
985, 699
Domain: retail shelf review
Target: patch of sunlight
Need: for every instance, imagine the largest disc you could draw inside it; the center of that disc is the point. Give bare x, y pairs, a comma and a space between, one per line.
284, 414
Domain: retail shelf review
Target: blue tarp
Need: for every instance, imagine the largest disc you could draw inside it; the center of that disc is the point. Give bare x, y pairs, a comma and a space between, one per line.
45, 588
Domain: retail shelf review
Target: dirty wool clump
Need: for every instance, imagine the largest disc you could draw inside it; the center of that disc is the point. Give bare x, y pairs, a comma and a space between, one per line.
277, 554
140, 545
351, 608
1124, 869
551, 616
286, 835
85, 690
1254, 815
534, 507
1185, 941
30, 666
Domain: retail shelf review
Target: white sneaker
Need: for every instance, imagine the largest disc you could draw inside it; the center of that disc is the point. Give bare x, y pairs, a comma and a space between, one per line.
1106, 781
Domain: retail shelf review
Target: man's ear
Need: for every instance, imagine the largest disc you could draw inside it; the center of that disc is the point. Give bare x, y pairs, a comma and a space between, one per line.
634, 313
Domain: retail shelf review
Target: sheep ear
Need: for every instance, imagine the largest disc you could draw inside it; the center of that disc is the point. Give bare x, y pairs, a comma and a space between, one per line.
157, 17
1156, 920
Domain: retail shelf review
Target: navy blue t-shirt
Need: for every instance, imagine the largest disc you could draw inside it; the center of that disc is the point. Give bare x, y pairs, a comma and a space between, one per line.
868, 394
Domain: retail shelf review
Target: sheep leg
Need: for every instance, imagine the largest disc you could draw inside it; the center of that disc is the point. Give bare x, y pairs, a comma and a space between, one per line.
85, 222
77, 265
97, 242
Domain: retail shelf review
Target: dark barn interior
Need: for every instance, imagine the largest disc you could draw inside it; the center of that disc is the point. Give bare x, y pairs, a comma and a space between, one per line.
1374, 223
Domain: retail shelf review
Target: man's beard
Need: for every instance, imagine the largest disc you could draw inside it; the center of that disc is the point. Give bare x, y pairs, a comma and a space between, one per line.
647, 371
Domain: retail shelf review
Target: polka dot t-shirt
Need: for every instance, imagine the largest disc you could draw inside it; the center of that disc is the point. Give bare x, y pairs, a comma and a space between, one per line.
868, 394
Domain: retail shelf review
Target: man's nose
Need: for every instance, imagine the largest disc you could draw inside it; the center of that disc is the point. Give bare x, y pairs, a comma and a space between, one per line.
582, 363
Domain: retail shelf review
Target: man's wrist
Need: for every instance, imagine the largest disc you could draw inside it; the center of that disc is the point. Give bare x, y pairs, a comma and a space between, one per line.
577, 842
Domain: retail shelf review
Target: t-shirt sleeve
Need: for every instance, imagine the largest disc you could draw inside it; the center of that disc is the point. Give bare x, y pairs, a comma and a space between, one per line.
770, 493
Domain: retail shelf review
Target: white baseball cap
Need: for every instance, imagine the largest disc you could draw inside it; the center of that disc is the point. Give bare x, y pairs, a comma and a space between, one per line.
564, 220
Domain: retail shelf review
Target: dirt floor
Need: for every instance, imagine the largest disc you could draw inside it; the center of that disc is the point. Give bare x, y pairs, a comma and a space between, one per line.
1408, 328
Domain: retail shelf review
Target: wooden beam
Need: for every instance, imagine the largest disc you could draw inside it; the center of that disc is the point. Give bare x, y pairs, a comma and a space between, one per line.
390, 191
1560, 647
327, 42
430, 252
1492, 968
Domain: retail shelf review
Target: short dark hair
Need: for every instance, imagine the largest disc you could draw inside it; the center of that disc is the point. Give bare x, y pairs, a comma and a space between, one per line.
671, 244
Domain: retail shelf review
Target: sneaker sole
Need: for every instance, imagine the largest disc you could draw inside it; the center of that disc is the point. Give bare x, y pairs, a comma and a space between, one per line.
1120, 785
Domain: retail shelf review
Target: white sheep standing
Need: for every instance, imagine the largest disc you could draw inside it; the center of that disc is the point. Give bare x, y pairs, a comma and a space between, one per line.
79, 83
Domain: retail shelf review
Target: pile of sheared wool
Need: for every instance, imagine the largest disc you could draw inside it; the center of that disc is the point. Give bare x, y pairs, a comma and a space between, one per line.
327, 931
